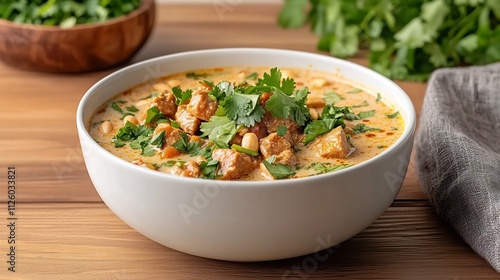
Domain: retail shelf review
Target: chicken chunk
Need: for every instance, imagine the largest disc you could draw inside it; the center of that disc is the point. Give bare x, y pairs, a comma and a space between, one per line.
293, 131
190, 169
172, 134
233, 164
201, 105
273, 145
166, 104
334, 144
187, 121
286, 157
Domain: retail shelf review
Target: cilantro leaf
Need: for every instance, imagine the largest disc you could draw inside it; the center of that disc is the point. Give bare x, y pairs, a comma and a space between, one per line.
148, 151
393, 115
65, 14
138, 136
293, 14
332, 97
158, 140
181, 96
326, 167
132, 109
331, 117
281, 130
283, 106
219, 130
209, 169
361, 127
243, 108
362, 104
278, 171
367, 114
434, 33
317, 128
379, 97
273, 79
252, 76
196, 76
116, 107
152, 115
354, 90
187, 147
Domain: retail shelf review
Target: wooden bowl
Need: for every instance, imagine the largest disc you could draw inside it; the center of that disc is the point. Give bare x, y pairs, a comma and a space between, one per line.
83, 48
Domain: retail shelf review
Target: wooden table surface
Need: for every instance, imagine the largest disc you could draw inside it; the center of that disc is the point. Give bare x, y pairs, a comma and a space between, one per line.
64, 230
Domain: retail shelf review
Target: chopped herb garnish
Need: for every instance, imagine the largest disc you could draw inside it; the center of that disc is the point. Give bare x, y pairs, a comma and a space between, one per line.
206, 151
325, 167
116, 107
273, 79
362, 104
243, 108
209, 169
138, 136
170, 163
354, 90
219, 130
367, 114
281, 130
140, 142
379, 97
278, 171
162, 120
331, 117
181, 96
174, 124
185, 146
252, 76
361, 127
332, 97
392, 116
65, 14
132, 109
240, 149
158, 139
381, 146
282, 104
148, 151
394, 128
317, 128
197, 76
152, 114
219, 91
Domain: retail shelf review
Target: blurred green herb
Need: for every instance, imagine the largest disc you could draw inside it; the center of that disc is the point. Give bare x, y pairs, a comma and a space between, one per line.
407, 40
64, 13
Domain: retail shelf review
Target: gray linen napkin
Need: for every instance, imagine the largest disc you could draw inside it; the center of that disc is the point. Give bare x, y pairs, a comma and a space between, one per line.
458, 153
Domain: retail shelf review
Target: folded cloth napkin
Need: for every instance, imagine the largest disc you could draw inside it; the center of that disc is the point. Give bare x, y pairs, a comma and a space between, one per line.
458, 153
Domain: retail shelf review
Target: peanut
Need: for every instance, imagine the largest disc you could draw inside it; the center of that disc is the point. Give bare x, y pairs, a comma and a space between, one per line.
106, 127
250, 141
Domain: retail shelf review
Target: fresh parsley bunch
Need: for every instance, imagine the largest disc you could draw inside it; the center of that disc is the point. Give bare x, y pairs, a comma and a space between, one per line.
406, 39
65, 13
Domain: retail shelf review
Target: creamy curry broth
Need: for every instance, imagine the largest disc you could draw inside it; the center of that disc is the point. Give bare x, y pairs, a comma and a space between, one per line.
386, 123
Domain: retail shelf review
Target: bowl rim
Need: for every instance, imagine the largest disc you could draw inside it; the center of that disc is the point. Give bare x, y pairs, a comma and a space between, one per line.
145, 6
406, 136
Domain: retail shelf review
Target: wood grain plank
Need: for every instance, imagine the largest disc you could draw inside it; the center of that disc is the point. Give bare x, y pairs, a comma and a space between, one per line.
37, 110
87, 241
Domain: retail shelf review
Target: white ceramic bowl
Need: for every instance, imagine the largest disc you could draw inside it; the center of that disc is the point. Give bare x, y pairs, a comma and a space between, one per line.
246, 221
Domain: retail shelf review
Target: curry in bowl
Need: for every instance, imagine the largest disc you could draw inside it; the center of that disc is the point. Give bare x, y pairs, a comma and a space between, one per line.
247, 123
